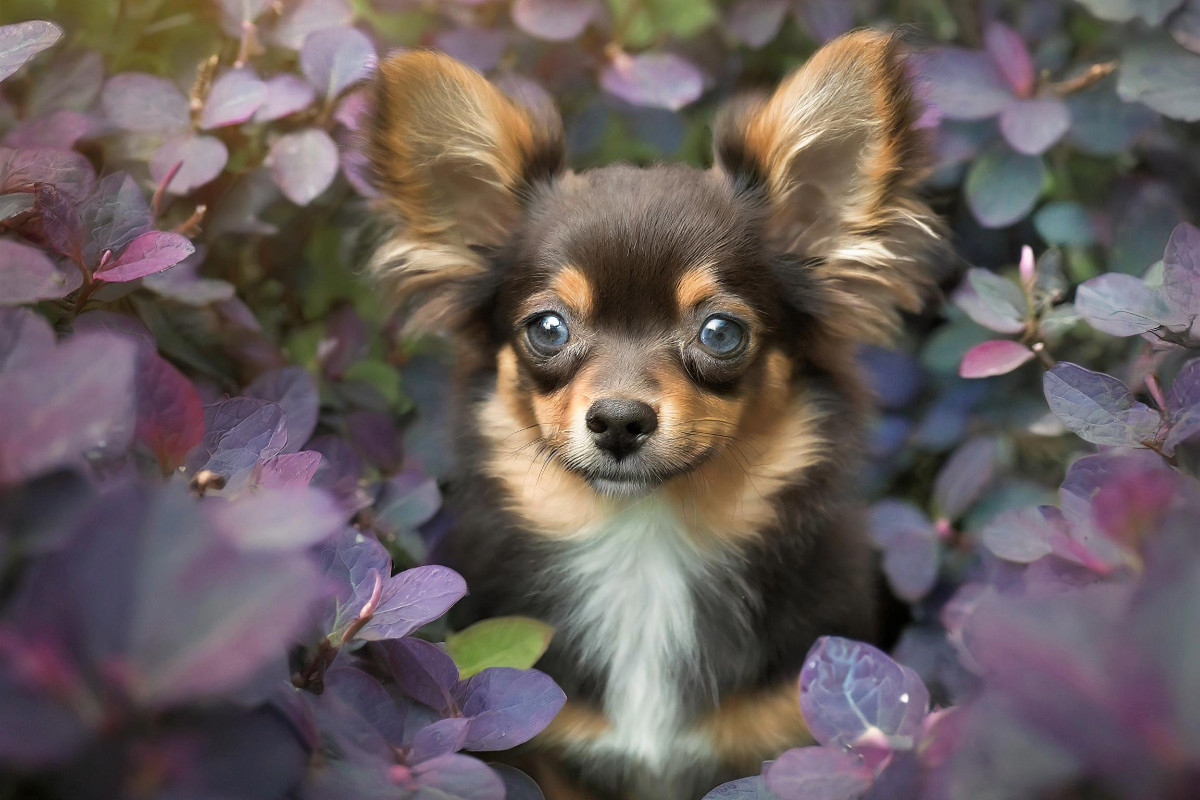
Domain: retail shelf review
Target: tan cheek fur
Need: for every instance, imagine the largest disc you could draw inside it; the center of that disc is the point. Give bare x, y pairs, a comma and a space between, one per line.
552, 500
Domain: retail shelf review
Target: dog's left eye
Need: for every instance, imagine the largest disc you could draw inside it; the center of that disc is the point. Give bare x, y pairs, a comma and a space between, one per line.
547, 333
722, 336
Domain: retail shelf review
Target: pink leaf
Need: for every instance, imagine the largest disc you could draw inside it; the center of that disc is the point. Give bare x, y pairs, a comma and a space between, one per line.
658, 80
202, 158
28, 275
553, 20
286, 94
233, 99
303, 164
1010, 56
23, 41
149, 253
993, 357
170, 416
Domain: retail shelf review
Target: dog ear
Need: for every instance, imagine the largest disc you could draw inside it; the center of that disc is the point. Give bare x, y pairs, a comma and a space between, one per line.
835, 153
453, 159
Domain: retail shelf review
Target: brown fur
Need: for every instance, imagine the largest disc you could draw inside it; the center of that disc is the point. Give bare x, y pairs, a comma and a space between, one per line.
748, 728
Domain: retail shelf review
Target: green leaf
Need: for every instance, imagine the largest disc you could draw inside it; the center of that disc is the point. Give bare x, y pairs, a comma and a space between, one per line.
501, 642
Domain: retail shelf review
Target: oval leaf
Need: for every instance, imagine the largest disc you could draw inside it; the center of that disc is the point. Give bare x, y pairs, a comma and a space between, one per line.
303, 164
500, 642
147, 254
658, 80
994, 357
1098, 407
23, 41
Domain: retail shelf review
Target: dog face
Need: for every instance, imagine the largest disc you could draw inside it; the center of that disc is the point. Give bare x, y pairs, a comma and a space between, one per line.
652, 327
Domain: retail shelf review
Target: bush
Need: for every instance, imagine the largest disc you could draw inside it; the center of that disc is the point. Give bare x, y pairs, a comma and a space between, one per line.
216, 449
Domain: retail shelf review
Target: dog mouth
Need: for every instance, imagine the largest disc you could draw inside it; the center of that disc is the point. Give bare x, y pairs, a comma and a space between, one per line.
634, 478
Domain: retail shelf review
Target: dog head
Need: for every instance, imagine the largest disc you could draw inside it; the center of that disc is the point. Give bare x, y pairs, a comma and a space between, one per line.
649, 326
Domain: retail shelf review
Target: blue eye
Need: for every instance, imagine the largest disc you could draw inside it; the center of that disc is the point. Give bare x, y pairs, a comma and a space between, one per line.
547, 333
722, 336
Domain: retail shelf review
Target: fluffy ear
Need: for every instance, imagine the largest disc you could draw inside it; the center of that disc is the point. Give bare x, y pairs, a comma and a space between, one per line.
453, 159
835, 152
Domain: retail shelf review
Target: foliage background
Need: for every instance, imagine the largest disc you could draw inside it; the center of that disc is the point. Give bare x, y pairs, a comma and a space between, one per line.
215, 450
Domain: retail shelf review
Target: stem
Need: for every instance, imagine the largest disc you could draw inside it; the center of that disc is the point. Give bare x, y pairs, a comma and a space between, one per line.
1092, 75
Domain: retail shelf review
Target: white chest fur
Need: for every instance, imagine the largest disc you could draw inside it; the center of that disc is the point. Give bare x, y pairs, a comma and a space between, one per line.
635, 617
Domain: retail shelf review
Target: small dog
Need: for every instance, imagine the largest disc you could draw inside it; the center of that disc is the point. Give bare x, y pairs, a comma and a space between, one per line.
661, 418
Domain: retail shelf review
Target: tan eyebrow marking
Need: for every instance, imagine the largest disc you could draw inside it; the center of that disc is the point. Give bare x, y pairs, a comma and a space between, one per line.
696, 286
573, 287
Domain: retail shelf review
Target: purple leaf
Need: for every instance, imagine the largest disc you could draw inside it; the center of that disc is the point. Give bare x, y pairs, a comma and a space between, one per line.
481, 48
826, 19
994, 357
353, 110
286, 94
1121, 305
964, 84
237, 434
15, 204
335, 59
438, 739
290, 519
1033, 126
1024, 535
423, 671
28, 275
236, 12
143, 103
818, 773
1153, 12
79, 399
964, 476
61, 223
1181, 271
1185, 26
457, 777
754, 788
26, 339
1162, 75
147, 254
58, 131
304, 17
910, 548
1098, 407
517, 785
113, 215
234, 97
73, 84
657, 80
756, 22
1002, 187
369, 699
1011, 57
209, 616
289, 470
170, 417
508, 707
202, 157
295, 391
993, 301
303, 164
69, 173
411, 599
1185, 389
850, 690
553, 20
23, 41
353, 563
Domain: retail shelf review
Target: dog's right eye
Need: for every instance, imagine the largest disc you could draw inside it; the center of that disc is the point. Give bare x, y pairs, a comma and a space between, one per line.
547, 333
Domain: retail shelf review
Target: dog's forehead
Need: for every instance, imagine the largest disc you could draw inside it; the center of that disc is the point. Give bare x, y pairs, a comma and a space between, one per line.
630, 236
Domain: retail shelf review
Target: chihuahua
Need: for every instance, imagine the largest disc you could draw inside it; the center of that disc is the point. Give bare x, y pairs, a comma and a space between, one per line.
658, 405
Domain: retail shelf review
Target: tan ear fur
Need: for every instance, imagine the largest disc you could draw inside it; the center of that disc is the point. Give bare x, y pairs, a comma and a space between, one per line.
451, 155
839, 159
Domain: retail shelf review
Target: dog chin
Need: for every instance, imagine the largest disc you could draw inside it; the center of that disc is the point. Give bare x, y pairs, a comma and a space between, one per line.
622, 488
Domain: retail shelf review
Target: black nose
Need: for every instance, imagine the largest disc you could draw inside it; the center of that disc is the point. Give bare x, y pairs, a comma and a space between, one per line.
621, 426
